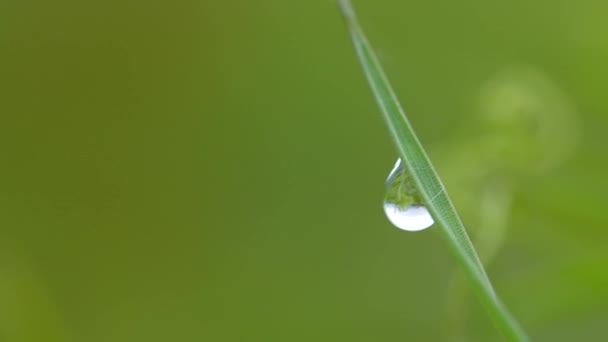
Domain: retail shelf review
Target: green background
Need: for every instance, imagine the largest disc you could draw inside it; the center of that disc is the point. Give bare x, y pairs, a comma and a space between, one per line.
213, 171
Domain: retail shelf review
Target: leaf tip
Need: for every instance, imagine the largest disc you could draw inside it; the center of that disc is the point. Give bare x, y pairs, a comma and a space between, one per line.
347, 9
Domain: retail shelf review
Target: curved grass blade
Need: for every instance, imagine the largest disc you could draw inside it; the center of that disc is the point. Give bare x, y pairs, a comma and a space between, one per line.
427, 181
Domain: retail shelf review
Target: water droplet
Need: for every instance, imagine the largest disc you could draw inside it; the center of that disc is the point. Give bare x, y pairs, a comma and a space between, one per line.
402, 203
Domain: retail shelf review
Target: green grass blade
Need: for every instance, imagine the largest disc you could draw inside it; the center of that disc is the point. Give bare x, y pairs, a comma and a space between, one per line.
428, 183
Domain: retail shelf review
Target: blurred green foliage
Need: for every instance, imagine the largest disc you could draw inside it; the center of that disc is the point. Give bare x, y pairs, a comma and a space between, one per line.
183, 170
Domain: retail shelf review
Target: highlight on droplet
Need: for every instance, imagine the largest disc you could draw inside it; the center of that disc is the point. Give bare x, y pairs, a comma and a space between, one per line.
412, 218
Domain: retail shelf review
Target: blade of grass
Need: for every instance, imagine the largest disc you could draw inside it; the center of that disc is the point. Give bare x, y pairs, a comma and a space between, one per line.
427, 181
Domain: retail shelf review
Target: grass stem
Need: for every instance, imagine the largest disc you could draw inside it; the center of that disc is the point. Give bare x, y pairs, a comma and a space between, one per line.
428, 183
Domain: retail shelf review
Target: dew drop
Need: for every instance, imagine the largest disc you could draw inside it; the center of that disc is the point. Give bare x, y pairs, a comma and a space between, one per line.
402, 204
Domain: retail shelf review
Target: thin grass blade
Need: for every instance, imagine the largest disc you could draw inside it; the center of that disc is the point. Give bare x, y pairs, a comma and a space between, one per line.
427, 181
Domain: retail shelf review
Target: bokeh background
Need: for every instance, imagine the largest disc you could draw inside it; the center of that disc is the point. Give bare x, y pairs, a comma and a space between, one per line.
213, 170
